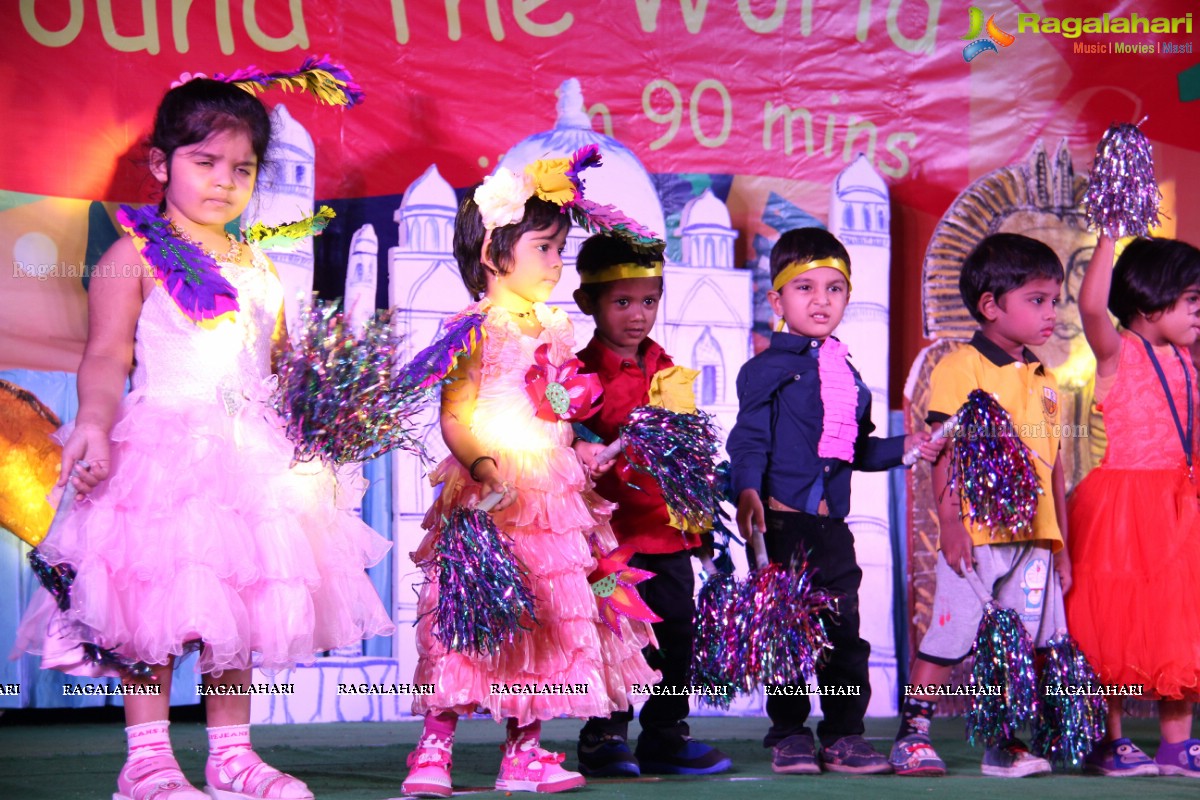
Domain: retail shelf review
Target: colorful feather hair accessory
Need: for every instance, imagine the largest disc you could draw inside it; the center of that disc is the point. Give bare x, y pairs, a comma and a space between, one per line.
340, 391
189, 275
330, 83
289, 234
502, 196
1122, 194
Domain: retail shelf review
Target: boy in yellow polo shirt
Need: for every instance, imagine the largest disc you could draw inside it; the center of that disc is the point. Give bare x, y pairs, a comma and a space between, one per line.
1011, 284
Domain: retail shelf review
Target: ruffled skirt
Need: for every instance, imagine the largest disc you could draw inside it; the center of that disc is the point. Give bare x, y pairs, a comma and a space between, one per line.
570, 649
204, 537
1134, 539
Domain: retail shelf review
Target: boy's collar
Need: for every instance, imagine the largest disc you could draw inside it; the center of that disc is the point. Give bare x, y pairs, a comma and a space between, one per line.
610, 363
998, 355
795, 342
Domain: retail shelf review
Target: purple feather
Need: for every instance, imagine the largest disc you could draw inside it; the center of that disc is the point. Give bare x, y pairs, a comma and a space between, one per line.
189, 275
430, 367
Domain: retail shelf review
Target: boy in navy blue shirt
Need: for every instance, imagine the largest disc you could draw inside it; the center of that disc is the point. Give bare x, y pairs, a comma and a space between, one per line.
803, 424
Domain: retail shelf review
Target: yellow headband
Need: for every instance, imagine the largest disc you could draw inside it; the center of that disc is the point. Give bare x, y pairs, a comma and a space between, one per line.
798, 268
621, 271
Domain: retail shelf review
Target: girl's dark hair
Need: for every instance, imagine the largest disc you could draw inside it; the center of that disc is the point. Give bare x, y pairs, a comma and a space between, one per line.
805, 244
469, 233
1150, 276
194, 111
601, 251
1003, 262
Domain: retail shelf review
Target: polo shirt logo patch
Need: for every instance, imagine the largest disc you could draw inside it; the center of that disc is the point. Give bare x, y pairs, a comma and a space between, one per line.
1050, 402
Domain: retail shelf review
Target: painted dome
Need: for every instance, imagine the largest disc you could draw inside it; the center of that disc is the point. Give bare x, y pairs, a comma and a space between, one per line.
620, 180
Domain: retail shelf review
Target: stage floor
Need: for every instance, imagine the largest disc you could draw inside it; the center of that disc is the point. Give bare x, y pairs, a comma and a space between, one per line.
67, 756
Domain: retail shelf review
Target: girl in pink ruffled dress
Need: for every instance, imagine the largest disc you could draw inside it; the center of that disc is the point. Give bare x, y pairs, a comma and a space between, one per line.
192, 532
502, 438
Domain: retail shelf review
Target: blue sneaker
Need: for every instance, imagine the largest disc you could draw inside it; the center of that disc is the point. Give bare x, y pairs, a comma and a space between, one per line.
1181, 759
693, 758
796, 755
607, 756
914, 755
1119, 758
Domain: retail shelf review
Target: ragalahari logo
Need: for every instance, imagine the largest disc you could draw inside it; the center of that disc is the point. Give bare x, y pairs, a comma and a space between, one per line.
995, 36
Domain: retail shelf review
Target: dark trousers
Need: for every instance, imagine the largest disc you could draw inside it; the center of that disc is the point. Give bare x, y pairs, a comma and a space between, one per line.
670, 595
829, 547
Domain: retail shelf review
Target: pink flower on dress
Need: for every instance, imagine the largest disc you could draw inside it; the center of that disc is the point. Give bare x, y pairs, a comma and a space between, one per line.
560, 391
613, 582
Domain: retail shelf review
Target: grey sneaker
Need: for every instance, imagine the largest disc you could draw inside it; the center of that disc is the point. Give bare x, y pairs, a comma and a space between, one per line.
1012, 759
795, 755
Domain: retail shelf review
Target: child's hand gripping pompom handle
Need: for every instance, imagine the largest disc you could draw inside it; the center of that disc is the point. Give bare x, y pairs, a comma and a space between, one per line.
948, 428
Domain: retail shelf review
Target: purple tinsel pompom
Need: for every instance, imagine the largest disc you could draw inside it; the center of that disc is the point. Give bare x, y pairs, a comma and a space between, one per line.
992, 469
1073, 716
484, 601
340, 393
717, 659
1004, 678
781, 622
1122, 195
679, 452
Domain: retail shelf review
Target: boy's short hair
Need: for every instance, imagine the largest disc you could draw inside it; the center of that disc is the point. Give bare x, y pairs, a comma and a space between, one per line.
600, 251
805, 244
1150, 276
1003, 262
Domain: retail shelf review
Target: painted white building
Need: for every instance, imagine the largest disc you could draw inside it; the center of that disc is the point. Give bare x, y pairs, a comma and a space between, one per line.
285, 193
859, 217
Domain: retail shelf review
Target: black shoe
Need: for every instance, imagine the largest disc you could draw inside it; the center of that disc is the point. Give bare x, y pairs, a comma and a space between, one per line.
856, 755
607, 756
692, 758
796, 755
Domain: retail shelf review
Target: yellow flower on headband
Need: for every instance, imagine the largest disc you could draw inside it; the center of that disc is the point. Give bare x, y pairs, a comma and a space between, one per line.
550, 180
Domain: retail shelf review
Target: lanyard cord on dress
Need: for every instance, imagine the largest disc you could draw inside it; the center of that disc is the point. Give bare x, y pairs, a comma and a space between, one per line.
1184, 438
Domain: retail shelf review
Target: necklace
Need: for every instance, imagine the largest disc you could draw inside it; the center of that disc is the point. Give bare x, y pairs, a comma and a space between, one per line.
232, 256
520, 314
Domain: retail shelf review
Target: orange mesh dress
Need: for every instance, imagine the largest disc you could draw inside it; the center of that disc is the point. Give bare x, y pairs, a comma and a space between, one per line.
1134, 534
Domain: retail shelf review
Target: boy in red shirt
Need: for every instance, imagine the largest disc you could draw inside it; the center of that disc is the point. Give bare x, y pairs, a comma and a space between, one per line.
621, 290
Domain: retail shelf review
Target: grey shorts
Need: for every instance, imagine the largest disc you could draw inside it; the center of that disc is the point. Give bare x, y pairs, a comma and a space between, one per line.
1020, 576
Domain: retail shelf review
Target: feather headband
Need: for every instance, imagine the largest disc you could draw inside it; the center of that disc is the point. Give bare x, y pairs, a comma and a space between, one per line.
329, 82
502, 196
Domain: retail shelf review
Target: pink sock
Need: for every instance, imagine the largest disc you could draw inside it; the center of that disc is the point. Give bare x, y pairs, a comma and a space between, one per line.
149, 739
228, 741
442, 726
517, 734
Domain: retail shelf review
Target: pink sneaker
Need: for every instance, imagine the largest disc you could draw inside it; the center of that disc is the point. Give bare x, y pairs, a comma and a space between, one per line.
155, 777
429, 768
247, 777
526, 767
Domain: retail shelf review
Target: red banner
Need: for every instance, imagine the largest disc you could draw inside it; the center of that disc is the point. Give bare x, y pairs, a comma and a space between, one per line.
784, 90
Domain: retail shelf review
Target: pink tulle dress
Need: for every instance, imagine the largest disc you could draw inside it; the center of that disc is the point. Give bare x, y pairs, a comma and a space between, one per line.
1134, 535
204, 536
550, 524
